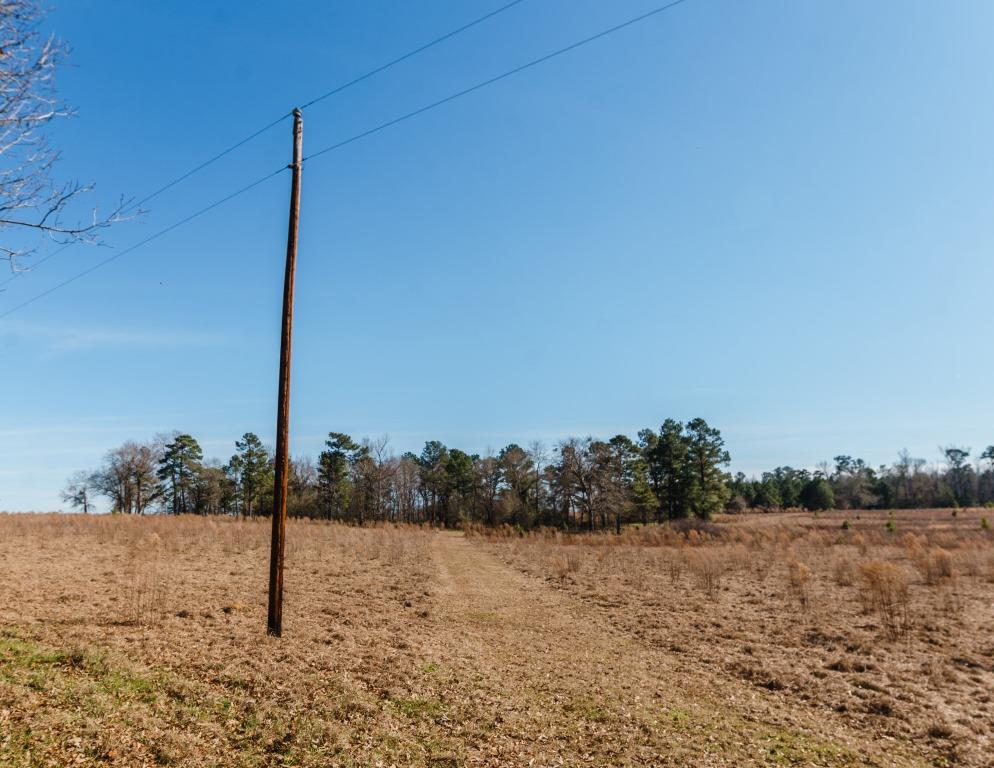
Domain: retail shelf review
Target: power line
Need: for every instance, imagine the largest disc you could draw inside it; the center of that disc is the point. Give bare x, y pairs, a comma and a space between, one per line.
277, 121
350, 140
493, 80
156, 193
204, 164
322, 97
415, 52
37, 264
139, 244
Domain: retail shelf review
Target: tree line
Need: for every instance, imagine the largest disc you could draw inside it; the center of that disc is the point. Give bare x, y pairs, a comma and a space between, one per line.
581, 483
851, 483
667, 474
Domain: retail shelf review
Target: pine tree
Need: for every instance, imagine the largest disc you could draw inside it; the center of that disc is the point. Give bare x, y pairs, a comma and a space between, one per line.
666, 462
818, 495
334, 474
178, 470
252, 472
707, 484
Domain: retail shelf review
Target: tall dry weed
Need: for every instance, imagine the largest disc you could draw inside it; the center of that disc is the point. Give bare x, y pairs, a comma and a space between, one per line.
935, 565
707, 567
970, 561
143, 592
799, 580
884, 590
844, 570
675, 566
859, 541
565, 563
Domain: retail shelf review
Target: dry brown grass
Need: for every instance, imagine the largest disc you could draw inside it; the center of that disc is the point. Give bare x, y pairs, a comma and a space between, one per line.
844, 569
128, 641
799, 578
143, 593
707, 567
884, 629
884, 589
565, 564
935, 564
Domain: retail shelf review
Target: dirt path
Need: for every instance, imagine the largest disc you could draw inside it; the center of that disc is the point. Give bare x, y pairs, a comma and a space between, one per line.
565, 687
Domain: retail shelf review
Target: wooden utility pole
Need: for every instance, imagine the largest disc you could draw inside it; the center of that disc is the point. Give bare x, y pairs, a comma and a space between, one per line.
275, 626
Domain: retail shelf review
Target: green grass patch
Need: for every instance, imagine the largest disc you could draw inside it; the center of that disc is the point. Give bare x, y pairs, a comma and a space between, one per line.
677, 717
587, 709
792, 748
420, 709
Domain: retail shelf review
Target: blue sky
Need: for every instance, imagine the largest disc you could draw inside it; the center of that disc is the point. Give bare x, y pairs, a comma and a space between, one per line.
776, 215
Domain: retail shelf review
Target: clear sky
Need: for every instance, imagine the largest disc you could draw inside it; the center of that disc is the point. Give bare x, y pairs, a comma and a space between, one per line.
776, 215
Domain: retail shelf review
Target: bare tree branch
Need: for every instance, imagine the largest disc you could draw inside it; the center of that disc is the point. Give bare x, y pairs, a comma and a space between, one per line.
30, 198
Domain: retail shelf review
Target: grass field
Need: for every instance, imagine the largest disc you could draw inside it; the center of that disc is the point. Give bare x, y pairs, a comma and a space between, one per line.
758, 640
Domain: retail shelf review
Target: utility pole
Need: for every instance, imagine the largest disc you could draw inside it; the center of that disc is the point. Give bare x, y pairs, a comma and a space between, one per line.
275, 625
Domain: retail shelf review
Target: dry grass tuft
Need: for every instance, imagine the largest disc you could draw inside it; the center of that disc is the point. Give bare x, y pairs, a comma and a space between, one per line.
844, 570
707, 568
884, 589
565, 564
935, 564
799, 578
143, 592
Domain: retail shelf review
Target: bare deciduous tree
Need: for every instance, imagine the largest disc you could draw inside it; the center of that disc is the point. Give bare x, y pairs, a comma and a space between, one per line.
129, 477
31, 199
79, 491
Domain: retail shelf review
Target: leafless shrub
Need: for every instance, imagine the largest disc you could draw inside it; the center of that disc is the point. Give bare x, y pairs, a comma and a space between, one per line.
844, 570
144, 595
799, 579
675, 564
565, 563
144, 590
396, 548
707, 567
738, 557
884, 590
935, 565
697, 530
970, 561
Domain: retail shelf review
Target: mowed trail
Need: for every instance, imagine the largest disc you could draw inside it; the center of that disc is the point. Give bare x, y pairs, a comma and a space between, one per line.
566, 688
